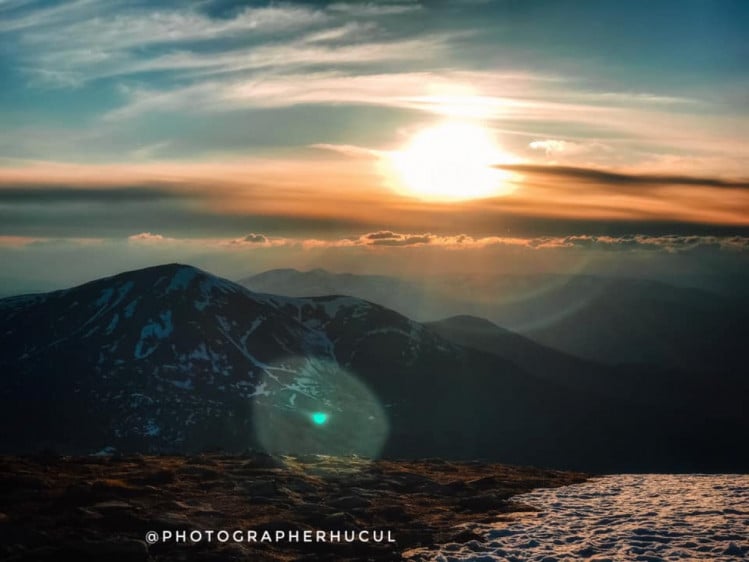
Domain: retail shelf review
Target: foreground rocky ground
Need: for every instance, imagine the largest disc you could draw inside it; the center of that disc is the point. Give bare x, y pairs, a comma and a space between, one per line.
101, 508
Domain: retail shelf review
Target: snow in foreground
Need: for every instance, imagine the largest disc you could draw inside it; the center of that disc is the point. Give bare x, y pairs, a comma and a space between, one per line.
648, 517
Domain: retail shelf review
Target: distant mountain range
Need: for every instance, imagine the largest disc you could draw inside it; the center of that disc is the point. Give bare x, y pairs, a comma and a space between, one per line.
606, 320
720, 395
173, 359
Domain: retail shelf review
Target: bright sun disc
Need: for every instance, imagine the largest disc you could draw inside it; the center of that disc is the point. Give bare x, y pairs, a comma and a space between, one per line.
449, 162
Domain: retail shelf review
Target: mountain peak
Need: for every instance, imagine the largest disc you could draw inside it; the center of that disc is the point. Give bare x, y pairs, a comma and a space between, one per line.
166, 269
467, 321
176, 277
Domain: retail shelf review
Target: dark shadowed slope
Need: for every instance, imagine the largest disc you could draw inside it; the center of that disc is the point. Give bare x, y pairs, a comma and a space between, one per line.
542, 362
719, 395
645, 322
173, 359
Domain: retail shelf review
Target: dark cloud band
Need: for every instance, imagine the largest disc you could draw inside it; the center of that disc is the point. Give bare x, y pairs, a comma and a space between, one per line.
621, 179
21, 195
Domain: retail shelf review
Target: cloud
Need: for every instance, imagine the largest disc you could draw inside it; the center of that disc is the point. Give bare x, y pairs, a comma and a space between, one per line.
383, 240
84, 41
64, 194
640, 242
549, 146
131, 59
556, 147
101, 28
636, 242
149, 238
17, 241
382, 8
381, 235
606, 177
255, 238
403, 240
282, 197
349, 150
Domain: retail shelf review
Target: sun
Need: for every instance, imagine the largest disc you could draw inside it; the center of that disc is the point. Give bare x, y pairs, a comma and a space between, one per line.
452, 161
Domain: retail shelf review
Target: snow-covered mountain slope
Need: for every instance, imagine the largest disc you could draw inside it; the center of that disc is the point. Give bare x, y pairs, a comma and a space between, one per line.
173, 359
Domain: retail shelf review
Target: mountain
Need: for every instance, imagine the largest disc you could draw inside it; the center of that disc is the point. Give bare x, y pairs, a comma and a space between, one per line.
410, 299
720, 395
604, 320
646, 322
540, 361
319, 282
173, 359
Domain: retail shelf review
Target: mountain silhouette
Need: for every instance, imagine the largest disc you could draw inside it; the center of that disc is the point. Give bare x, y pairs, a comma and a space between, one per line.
604, 320
173, 359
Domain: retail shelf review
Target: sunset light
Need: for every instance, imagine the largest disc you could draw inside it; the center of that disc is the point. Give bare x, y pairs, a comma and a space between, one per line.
280, 278
449, 162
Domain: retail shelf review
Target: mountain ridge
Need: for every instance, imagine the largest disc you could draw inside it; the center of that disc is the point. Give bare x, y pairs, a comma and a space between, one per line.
605, 320
174, 359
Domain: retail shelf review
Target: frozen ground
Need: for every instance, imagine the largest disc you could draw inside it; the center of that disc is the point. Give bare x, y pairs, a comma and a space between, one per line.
649, 517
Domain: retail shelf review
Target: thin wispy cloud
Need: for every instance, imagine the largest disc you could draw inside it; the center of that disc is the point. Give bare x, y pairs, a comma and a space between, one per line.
374, 8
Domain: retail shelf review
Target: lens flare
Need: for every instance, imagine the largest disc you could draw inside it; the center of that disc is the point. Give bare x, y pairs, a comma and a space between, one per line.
319, 418
315, 406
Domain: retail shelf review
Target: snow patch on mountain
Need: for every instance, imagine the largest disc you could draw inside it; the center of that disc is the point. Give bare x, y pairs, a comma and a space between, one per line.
151, 333
130, 308
152, 429
182, 278
105, 302
260, 390
113, 324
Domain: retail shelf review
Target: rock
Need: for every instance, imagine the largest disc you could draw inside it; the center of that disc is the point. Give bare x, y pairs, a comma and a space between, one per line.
110, 505
112, 488
735, 550
349, 502
263, 460
455, 486
13, 482
264, 500
307, 459
200, 472
486, 483
275, 525
170, 521
89, 514
162, 476
307, 509
481, 503
339, 520
393, 513
465, 536
260, 488
301, 486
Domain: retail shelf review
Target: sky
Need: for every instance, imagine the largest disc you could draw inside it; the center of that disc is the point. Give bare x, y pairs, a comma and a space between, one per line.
603, 135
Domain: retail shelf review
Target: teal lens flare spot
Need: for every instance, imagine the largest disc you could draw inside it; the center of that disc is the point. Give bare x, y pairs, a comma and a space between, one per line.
319, 418
337, 414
